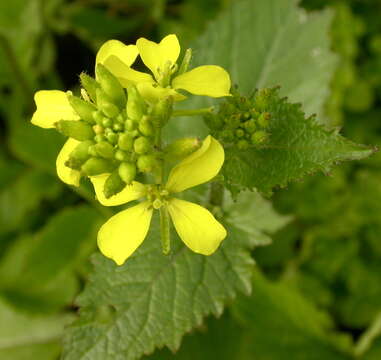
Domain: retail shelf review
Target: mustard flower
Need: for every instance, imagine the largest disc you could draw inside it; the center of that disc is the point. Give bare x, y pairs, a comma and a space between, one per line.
161, 59
122, 234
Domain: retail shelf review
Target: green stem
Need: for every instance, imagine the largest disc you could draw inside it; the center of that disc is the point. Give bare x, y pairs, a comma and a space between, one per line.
195, 112
165, 230
366, 339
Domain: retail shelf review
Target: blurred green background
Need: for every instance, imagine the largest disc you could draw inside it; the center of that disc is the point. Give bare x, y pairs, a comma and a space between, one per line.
329, 254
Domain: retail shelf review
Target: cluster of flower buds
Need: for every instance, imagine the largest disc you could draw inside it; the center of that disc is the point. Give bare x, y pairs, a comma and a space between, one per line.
242, 121
116, 131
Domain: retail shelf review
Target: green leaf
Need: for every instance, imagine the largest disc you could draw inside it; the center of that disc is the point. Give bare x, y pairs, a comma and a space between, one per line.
25, 337
153, 299
34, 280
278, 321
297, 146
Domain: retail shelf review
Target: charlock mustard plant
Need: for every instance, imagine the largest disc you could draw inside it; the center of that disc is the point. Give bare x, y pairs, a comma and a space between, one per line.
114, 131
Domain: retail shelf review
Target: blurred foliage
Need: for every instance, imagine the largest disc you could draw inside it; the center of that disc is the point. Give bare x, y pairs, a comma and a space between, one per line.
319, 291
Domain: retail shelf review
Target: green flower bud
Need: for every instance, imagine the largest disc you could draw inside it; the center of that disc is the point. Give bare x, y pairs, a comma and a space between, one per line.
118, 127
79, 130
120, 119
145, 126
121, 155
111, 86
242, 144
130, 124
127, 172
146, 163
181, 148
99, 137
264, 119
98, 117
79, 155
142, 145
98, 129
112, 137
126, 142
104, 149
92, 151
90, 85
162, 111
105, 104
185, 63
83, 108
250, 125
239, 133
261, 99
113, 185
136, 106
96, 166
106, 122
259, 137
227, 135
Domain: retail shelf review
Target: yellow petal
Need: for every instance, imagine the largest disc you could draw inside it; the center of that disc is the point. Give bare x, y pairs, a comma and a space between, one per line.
126, 53
131, 192
156, 55
124, 73
52, 106
208, 80
196, 226
121, 235
153, 93
197, 168
67, 175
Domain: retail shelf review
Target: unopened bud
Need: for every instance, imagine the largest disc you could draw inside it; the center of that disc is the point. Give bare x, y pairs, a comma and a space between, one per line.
79, 155
112, 137
239, 133
145, 126
136, 106
98, 117
83, 108
250, 125
181, 148
146, 163
130, 124
106, 122
162, 111
78, 130
96, 166
186, 61
259, 137
105, 104
104, 149
111, 85
264, 119
142, 145
121, 155
90, 85
127, 172
243, 145
113, 185
126, 142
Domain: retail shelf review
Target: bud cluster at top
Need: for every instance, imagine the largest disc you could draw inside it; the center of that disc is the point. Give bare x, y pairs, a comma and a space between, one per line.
242, 121
116, 132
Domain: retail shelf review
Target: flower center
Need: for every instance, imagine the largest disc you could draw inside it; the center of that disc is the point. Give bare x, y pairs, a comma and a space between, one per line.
157, 196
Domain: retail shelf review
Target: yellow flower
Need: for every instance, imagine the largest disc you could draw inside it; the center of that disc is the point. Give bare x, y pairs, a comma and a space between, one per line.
161, 58
52, 106
122, 234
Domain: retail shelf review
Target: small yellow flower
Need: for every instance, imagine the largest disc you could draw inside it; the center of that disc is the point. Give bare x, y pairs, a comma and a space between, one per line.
121, 235
161, 58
